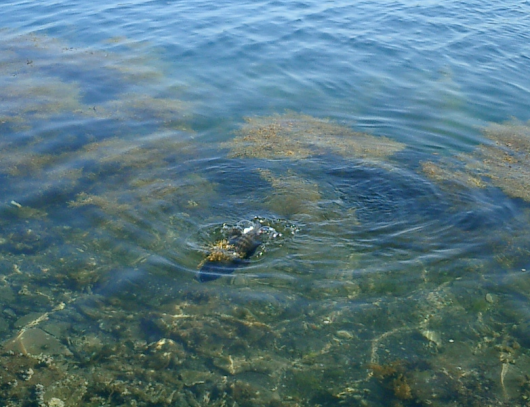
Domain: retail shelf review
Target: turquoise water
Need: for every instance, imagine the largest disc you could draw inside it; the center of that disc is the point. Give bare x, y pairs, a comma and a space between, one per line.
382, 147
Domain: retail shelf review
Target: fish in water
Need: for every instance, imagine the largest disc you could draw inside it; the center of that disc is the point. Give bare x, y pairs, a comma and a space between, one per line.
228, 254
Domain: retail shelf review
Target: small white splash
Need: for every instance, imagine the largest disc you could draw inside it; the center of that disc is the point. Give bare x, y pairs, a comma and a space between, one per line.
269, 231
246, 230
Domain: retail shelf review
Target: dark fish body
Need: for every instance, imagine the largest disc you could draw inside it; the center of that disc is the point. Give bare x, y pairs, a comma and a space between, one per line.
246, 244
225, 260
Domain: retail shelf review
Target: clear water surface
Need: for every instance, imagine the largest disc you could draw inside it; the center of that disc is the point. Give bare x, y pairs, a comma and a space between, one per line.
382, 147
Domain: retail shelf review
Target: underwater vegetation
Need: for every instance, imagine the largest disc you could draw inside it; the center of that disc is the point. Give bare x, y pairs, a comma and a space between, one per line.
179, 344
37, 74
38, 98
503, 162
89, 137
103, 224
298, 136
63, 129
507, 161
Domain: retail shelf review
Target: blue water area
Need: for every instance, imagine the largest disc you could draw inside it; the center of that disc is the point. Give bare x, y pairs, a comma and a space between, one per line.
380, 150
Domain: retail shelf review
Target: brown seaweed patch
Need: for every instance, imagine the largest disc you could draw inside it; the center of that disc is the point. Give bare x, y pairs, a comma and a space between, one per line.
505, 162
39, 97
32, 93
18, 163
138, 190
40, 89
298, 136
42, 97
512, 135
445, 172
107, 204
47, 171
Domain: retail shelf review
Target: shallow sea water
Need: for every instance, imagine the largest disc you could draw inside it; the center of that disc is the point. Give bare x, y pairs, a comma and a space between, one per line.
383, 146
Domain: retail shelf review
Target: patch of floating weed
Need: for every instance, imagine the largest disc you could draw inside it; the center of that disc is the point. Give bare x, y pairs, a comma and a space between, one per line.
40, 86
512, 135
25, 164
133, 207
107, 204
118, 218
25, 160
298, 136
136, 69
43, 172
145, 182
36, 73
15, 121
445, 172
42, 96
505, 162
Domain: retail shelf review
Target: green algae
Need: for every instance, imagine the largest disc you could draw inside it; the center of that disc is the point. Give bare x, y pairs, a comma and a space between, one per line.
297, 136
